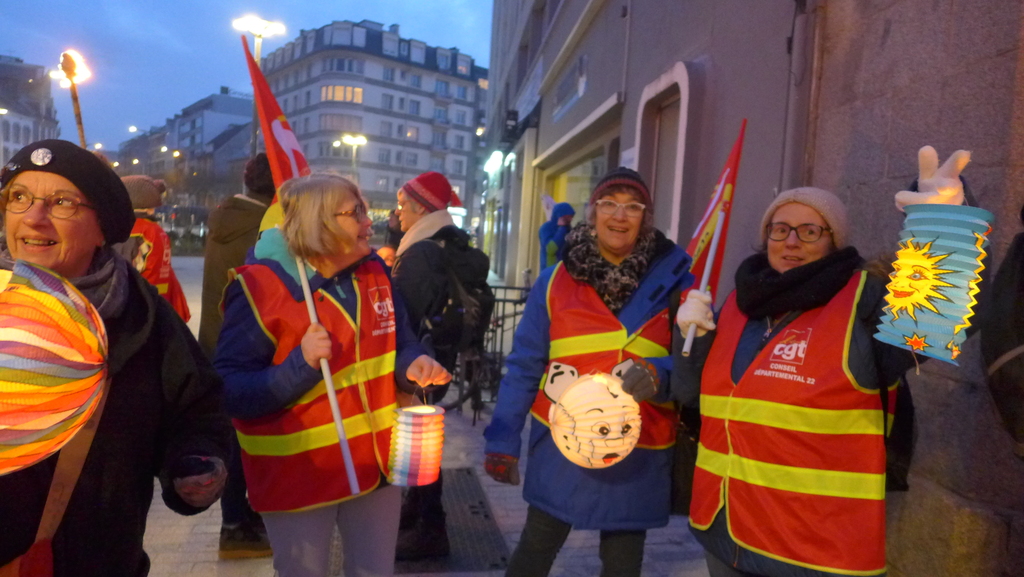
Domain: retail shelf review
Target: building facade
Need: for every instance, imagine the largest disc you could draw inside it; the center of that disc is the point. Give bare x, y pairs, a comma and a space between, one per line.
419, 107
838, 94
27, 113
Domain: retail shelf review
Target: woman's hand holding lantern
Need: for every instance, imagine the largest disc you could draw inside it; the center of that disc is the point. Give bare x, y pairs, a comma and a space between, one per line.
425, 371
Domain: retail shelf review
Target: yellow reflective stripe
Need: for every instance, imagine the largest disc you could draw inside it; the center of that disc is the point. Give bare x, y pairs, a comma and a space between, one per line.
316, 437
642, 347
793, 418
796, 479
365, 370
255, 309
585, 344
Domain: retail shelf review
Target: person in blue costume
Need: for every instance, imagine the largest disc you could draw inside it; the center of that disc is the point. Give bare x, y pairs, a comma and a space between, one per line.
616, 281
553, 232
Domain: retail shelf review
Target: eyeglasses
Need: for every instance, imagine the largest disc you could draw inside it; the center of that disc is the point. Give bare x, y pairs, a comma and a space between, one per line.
610, 207
805, 232
358, 213
58, 204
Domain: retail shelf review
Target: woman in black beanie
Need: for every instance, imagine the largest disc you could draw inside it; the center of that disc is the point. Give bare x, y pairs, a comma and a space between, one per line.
63, 208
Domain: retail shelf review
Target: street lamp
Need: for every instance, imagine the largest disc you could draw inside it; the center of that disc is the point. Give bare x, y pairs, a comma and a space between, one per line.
133, 128
72, 72
355, 141
259, 28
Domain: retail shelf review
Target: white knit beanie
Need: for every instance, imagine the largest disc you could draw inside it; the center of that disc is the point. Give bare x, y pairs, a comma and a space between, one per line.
827, 204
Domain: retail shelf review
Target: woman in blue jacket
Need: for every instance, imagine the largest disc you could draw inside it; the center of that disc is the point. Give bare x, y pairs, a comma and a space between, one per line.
614, 285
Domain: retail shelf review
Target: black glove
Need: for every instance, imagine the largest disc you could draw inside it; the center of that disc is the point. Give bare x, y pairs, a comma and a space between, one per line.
638, 381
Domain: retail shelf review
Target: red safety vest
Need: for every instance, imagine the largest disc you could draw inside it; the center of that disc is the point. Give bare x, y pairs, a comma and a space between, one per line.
153, 261
292, 458
794, 451
587, 336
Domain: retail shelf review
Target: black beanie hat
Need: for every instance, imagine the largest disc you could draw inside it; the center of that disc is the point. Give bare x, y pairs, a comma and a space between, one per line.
97, 181
618, 177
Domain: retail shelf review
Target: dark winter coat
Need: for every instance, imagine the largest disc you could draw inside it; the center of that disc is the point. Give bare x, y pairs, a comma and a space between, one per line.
234, 226
164, 404
421, 278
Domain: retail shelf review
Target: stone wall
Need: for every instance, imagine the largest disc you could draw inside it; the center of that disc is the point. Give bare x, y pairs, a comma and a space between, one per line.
896, 75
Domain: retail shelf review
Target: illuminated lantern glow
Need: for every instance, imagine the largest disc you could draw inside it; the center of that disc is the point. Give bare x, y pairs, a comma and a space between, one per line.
935, 277
594, 423
417, 441
53, 349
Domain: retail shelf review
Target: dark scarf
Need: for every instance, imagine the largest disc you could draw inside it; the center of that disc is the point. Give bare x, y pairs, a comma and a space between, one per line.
105, 284
763, 292
614, 284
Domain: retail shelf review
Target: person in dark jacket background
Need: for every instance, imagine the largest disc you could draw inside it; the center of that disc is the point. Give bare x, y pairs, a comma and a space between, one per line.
234, 226
163, 413
420, 276
552, 234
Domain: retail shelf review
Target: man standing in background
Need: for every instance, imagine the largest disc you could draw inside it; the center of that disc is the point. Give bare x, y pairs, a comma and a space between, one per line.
234, 227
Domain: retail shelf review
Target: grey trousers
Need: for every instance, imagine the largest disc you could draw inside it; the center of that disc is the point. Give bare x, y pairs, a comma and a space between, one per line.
717, 568
369, 533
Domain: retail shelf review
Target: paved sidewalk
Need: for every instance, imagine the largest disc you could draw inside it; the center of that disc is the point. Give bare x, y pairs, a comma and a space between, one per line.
187, 546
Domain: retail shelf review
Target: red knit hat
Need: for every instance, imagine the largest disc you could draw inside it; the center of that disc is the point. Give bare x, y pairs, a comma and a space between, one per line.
432, 190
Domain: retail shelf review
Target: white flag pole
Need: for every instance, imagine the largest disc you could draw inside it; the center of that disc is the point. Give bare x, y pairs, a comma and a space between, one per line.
709, 264
332, 395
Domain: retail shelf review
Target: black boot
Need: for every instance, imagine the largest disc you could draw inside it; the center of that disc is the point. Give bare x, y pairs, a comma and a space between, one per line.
425, 540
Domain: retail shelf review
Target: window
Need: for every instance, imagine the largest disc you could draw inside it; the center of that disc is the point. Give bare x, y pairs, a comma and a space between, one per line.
343, 65
340, 35
341, 94
412, 133
401, 103
458, 166
382, 182
415, 80
411, 159
460, 141
387, 101
384, 156
398, 157
439, 138
385, 128
389, 74
359, 36
305, 125
444, 60
483, 83
343, 122
441, 87
461, 92
309, 95
390, 45
460, 117
441, 114
414, 107
464, 64
437, 164
418, 52
398, 182
403, 48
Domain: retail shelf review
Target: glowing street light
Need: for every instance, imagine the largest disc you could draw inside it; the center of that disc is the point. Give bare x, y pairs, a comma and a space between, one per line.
163, 148
355, 141
176, 154
115, 164
135, 161
72, 72
97, 146
133, 128
259, 28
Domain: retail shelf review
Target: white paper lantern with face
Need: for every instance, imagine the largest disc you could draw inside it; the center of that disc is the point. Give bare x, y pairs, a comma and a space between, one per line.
594, 423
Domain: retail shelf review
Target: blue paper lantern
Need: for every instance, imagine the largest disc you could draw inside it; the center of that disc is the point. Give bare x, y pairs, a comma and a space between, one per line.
932, 289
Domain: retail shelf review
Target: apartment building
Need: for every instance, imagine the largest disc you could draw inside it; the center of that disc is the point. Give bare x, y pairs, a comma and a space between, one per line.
419, 107
27, 113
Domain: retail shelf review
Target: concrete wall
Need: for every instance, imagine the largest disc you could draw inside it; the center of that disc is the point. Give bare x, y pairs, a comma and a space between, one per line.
896, 75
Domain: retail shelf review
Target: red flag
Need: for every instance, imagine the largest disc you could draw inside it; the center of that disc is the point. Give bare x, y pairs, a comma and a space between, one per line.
719, 207
283, 150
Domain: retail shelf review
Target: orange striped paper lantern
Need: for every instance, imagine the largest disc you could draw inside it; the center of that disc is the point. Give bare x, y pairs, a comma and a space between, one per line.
53, 350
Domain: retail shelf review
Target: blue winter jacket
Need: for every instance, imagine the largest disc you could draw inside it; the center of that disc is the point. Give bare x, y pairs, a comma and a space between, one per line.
552, 236
253, 385
630, 495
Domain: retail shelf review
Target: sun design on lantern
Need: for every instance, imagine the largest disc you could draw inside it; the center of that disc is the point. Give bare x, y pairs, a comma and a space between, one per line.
916, 281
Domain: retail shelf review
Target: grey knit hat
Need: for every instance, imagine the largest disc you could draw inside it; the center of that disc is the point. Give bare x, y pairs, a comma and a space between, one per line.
827, 204
144, 191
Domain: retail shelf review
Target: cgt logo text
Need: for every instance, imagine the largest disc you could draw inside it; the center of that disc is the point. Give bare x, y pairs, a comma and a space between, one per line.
382, 303
792, 347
